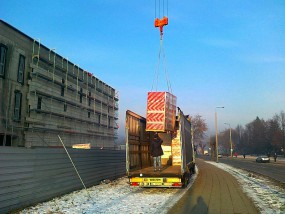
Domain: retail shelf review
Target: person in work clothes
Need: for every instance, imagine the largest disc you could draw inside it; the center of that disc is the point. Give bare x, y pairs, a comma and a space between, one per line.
275, 157
156, 151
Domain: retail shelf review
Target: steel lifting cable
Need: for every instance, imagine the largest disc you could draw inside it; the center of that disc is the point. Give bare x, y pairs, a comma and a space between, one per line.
160, 23
167, 8
164, 5
161, 5
156, 77
154, 8
165, 69
159, 8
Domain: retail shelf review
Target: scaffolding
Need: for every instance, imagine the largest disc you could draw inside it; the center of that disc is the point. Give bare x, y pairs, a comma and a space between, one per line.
60, 98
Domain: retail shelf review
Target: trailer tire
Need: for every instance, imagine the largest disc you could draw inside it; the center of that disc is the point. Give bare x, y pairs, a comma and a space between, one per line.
193, 171
184, 184
186, 180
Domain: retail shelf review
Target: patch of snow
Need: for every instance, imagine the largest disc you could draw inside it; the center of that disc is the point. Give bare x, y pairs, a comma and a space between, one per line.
113, 197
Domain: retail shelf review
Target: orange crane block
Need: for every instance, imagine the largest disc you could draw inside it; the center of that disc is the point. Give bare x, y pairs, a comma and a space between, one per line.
161, 23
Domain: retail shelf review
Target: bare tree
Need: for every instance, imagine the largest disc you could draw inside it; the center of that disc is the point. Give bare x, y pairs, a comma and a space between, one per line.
260, 136
199, 128
274, 134
238, 142
257, 136
281, 120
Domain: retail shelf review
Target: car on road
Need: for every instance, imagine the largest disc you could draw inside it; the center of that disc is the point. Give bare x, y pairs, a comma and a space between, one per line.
263, 159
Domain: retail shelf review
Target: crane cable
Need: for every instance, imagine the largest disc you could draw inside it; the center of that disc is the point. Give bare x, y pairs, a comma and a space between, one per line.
161, 23
163, 6
156, 78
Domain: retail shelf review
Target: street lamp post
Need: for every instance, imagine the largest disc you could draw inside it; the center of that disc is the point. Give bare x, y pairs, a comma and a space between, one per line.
230, 138
216, 127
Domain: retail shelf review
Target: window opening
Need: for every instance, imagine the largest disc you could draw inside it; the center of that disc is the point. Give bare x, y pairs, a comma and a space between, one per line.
89, 99
80, 97
62, 87
39, 105
17, 107
21, 69
3, 51
5, 140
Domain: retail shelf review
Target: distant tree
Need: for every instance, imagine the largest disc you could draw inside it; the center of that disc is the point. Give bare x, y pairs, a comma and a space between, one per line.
281, 122
259, 136
224, 142
274, 134
199, 128
281, 119
212, 145
237, 138
255, 137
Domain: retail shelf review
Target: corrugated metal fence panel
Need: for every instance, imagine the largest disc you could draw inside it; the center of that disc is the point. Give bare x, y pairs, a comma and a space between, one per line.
30, 176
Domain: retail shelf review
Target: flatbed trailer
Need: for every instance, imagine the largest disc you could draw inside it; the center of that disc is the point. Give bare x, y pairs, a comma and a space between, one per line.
178, 161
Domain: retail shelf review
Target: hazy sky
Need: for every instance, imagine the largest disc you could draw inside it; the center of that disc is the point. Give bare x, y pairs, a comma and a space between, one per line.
218, 53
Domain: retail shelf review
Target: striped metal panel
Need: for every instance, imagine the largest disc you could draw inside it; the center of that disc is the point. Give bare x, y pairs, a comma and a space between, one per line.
161, 111
30, 176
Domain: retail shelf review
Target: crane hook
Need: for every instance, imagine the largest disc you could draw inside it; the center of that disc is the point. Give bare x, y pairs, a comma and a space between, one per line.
161, 23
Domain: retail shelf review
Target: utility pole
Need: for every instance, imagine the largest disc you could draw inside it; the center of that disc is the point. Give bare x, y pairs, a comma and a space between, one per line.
216, 127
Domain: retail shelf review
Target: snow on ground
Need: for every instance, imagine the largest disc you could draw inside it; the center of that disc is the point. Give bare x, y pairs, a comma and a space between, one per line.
267, 196
118, 197
113, 197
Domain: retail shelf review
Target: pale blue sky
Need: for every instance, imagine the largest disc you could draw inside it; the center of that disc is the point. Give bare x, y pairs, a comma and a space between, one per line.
218, 53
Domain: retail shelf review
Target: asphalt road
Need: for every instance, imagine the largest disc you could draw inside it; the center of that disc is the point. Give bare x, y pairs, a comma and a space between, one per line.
273, 170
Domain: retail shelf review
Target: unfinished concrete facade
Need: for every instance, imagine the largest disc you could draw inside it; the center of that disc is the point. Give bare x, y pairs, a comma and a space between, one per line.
43, 96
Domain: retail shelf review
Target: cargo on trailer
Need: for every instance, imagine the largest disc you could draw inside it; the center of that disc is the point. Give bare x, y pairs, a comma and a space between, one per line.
161, 111
178, 160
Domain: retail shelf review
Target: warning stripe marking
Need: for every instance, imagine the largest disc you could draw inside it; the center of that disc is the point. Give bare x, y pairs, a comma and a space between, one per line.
161, 111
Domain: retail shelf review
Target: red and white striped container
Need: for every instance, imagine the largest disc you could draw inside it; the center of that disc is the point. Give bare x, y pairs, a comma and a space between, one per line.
161, 111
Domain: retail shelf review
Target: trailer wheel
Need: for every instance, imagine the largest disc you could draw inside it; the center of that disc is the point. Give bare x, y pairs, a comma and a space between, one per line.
191, 168
184, 185
186, 180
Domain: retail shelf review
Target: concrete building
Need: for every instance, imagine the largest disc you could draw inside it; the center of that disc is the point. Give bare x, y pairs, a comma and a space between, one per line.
43, 95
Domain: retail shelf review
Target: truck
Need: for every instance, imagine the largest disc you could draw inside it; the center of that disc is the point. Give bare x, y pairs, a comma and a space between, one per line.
178, 160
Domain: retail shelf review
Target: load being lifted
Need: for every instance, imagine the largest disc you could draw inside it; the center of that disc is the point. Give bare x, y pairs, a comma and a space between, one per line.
161, 111
161, 105
178, 161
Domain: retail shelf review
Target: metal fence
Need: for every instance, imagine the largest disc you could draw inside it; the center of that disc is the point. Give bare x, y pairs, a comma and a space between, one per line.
30, 176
